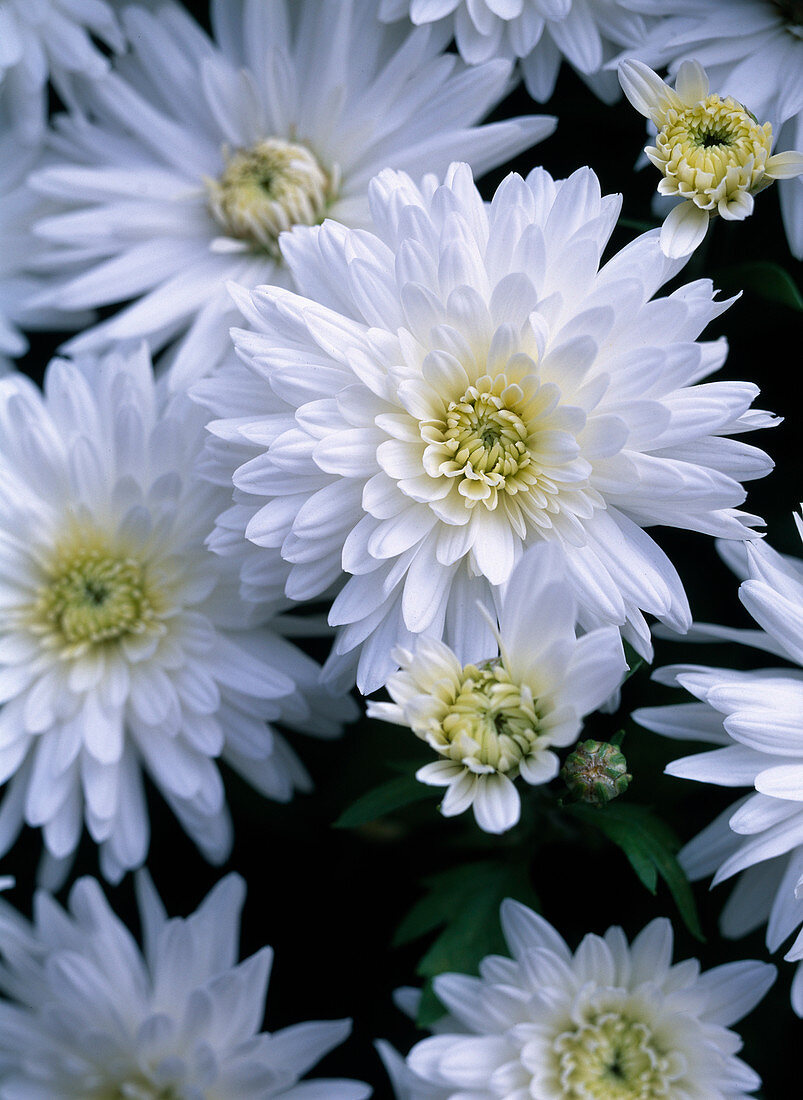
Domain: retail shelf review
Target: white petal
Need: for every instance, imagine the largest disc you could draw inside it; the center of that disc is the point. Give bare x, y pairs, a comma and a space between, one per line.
683, 230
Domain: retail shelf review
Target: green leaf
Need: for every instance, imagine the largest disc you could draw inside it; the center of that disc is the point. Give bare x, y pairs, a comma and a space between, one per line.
382, 800
443, 891
650, 846
430, 1008
464, 902
767, 280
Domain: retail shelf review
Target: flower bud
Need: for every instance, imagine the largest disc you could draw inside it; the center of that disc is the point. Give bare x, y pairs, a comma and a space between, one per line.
596, 772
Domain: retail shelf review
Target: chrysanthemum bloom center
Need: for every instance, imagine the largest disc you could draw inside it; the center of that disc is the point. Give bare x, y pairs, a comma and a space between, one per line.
611, 1057
711, 152
94, 594
489, 722
268, 188
137, 1090
483, 441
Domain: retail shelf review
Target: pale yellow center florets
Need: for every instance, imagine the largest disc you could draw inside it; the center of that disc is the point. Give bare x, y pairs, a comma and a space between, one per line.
268, 188
482, 440
711, 152
489, 723
136, 1090
611, 1057
95, 594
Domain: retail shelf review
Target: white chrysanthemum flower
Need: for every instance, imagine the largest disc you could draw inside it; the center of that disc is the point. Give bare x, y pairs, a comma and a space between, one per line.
123, 643
467, 381
502, 717
19, 283
713, 154
540, 33
92, 1017
613, 1020
753, 51
183, 166
753, 718
15, 282
49, 39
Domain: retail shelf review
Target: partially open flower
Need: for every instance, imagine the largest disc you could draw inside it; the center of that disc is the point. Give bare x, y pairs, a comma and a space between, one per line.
501, 718
713, 152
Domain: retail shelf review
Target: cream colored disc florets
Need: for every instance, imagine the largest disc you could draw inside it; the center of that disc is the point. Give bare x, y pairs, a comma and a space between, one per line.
483, 441
612, 1057
486, 721
711, 152
135, 1091
95, 594
268, 188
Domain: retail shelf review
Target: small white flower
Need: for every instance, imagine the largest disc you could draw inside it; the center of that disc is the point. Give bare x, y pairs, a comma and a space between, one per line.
613, 1020
753, 718
467, 381
540, 33
123, 643
753, 49
180, 169
41, 39
502, 717
91, 1017
713, 153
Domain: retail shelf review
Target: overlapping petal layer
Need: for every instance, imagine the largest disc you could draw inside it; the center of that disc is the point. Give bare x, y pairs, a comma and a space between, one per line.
177, 172
123, 643
90, 1016
611, 1020
463, 382
753, 718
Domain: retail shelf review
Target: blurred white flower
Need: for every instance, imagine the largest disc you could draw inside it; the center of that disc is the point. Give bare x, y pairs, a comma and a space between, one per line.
467, 381
178, 171
502, 718
123, 643
49, 39
17, 285
713, 154
540, 33
612, 1020
19, 282
752, 50
91, 1017
753, 718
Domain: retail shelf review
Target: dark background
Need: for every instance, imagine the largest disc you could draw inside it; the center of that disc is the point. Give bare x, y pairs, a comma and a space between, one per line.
329, 900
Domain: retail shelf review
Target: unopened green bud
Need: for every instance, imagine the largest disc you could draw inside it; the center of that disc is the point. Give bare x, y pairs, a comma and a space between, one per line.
596, 772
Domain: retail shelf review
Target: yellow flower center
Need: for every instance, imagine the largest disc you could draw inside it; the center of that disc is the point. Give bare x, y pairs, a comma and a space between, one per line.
611, 1057
95, 594
490, 722
482, 440
268, 188
712, 151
